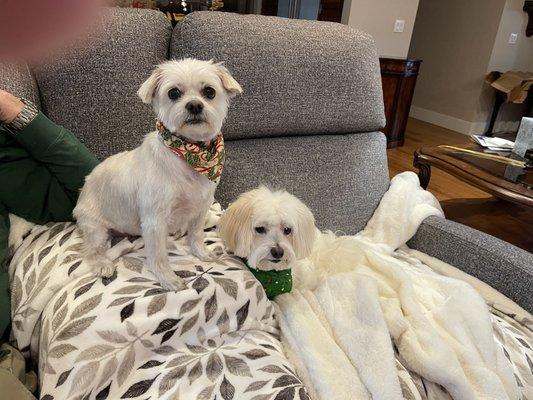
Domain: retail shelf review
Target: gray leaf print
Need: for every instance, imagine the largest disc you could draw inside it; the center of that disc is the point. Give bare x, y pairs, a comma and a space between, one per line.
86, 306
214, 366
165, 350
73, 267
108, 371
102, 394
127, 311
146, 343
252, 387
132, 264
259, 293
27, 264
93, 352
227, 390
38, 289
61, 350
120, 301
59, 317
156, 304
179, 360
17, 292
48, 369
210, 307
168, 335
131, 329
195, 372
65, 237
242, 314
249, 284
237, 366
170, 379
63, 377
83, 289
45, 271
206, 393
201, 335
126, 366
30, 282
254, 354
83, 377
44, 253
262, 397
139, 388
229, 286
131, 289
165, 325
286, 394
303, 394
75, 328
286, 380
187, 325
189, 305
273, 369
60, 301
200, 284
196, 349
112, 336
150, 364
223, 322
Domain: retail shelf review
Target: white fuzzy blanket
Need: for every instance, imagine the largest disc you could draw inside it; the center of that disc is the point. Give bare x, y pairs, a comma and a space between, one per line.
356, 293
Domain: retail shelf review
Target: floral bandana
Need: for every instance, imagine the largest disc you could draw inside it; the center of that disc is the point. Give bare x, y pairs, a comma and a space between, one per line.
206, 159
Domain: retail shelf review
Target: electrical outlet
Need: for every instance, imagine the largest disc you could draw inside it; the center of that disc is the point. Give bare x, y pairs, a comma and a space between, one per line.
399, 25
513, 37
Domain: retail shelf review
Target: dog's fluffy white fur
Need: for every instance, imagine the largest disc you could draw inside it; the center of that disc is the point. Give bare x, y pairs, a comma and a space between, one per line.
262, 222
149, 190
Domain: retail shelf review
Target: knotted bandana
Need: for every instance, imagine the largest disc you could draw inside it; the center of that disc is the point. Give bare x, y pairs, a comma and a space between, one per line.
206, 159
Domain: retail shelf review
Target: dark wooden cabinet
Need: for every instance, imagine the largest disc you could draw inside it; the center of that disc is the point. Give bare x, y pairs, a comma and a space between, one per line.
398, 78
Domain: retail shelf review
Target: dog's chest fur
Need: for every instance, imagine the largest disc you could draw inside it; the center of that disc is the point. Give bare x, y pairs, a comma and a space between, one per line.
137, 186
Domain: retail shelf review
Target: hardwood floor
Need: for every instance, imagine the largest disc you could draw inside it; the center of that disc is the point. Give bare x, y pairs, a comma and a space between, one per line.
460, 201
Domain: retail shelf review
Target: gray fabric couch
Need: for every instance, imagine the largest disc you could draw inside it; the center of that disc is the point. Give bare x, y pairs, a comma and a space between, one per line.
308, 120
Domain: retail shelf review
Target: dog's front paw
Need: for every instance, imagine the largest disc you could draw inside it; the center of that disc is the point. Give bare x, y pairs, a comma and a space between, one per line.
104, 267
168, 279
174, 284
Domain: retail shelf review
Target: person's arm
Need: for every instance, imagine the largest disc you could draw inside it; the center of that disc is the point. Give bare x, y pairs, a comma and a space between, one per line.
51, 145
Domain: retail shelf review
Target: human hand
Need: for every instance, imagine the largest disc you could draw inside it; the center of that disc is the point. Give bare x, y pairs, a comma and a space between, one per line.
10, 106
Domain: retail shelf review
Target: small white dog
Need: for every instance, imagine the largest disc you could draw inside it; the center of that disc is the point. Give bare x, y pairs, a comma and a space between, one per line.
270, 229
167, 184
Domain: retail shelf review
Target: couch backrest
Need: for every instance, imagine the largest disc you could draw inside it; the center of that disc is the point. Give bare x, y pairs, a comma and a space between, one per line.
91, 89
299, 77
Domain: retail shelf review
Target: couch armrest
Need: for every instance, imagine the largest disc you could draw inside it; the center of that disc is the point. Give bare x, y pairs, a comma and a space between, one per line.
503, 266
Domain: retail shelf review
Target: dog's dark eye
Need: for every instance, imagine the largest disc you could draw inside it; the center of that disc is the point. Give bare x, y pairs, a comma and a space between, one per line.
209, 92
174, 94
287, 231
260, 229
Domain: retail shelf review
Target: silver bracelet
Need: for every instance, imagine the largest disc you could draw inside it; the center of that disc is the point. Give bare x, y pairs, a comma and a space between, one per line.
24, 117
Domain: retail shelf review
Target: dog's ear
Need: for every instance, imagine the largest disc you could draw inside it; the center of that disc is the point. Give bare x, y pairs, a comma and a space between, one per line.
228, 82
147, 90
235, 226
305, 230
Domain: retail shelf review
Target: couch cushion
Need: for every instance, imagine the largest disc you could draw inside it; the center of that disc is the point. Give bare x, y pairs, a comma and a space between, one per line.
17, 79
299, 77
91, 90
340, 177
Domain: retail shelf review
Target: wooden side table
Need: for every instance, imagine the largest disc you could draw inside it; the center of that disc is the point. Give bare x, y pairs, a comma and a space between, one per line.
398, 78
499, 178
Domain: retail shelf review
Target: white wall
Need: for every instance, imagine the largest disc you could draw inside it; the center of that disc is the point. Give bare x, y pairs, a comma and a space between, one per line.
377, 17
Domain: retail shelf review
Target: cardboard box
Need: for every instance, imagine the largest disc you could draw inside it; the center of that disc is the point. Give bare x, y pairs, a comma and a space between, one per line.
515, 84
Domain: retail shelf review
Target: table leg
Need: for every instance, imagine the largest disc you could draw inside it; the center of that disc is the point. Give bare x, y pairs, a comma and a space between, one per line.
424, 171
498, 101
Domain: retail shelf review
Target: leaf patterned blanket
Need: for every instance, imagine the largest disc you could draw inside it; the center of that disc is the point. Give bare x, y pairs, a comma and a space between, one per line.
126, 337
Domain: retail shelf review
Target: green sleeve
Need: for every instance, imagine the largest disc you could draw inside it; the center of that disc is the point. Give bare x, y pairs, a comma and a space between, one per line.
57, 149
5, 311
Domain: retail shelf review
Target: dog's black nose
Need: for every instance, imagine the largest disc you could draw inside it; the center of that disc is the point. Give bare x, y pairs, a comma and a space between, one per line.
194, 107
277, 252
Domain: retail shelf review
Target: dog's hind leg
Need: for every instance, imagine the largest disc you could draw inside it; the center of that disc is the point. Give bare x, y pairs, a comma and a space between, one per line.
95, 237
